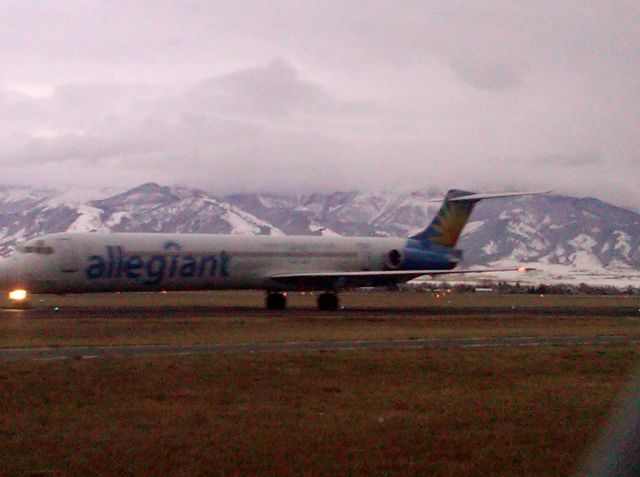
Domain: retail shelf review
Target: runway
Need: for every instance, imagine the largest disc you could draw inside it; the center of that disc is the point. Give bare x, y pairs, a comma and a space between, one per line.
119, 311
88, 352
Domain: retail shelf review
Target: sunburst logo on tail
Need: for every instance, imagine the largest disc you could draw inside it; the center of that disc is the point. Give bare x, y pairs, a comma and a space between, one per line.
447, 226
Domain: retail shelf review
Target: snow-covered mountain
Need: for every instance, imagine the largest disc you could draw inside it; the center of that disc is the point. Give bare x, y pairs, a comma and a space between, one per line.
582, 234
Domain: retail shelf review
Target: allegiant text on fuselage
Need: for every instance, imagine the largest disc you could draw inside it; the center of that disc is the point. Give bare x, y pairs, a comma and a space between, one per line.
154, 267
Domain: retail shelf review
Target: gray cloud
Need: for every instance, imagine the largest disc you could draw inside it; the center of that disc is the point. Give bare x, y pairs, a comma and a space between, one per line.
323, 96
575, 159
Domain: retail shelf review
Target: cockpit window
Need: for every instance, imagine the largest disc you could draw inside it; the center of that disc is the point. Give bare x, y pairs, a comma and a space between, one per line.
38, 247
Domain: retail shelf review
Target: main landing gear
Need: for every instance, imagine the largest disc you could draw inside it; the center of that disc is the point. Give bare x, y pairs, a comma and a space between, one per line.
276, 301
327, 301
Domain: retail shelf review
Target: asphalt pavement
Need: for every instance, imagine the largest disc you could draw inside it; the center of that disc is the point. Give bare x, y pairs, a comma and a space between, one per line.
80, 352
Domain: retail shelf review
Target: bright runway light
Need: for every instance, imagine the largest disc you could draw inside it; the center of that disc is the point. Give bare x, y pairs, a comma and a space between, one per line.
18, 295
522, 269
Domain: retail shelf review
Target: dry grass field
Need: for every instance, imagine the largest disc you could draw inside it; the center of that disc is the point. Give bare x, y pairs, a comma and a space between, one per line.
464, 411
496, 411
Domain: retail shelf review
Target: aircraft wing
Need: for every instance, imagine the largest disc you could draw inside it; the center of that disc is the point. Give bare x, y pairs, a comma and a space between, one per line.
319, 280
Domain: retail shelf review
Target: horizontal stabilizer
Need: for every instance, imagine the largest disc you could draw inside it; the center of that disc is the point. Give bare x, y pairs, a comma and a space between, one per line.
494, 196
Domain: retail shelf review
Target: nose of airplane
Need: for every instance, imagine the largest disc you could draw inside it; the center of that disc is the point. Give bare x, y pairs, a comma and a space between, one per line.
11, 274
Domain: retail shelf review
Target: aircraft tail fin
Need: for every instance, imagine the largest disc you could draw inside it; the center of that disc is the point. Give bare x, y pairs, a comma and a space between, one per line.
446, 227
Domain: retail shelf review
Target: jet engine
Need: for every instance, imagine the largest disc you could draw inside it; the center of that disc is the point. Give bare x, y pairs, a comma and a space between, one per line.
394, 259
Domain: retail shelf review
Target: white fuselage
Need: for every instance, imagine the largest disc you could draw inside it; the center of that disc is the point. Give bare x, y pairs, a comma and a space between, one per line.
92, 262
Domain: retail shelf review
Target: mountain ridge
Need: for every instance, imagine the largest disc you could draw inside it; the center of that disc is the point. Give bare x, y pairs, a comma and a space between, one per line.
582, 233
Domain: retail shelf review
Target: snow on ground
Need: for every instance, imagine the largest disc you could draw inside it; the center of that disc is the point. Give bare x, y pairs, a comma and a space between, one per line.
267, 202
522, 230
89, 220
19, 194
490, 248
77, 195
582, 242
559, 251
324, 231
329, 233
618, 265
473, 226
623, 243
519, 252
239, 226
246, 224
537, 244
553, 274
583, 260
243, 223
117, 218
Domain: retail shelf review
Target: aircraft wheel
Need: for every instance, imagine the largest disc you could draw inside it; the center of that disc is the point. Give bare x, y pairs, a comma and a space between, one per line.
328, 302
276, 301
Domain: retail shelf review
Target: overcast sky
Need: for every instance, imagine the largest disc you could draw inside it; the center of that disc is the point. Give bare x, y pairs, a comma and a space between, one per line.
323, 95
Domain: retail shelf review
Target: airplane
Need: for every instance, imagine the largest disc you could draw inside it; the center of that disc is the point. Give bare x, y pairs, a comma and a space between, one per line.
91, 262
